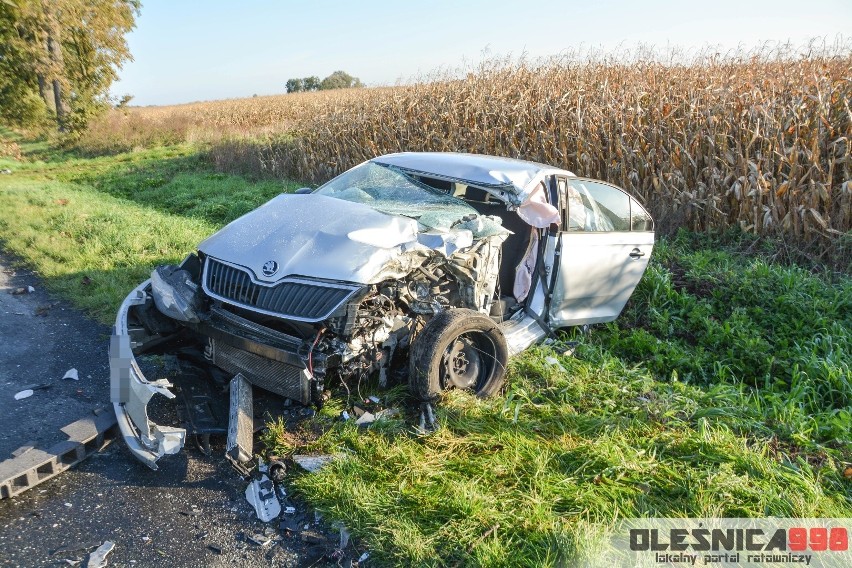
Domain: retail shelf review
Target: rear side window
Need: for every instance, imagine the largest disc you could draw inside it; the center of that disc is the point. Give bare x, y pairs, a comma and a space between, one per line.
596, 207
639, 218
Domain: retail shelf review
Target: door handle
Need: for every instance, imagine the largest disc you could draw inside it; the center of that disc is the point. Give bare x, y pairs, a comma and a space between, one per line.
636, 254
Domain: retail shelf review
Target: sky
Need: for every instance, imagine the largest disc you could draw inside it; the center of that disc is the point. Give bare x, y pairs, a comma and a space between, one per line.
191, 51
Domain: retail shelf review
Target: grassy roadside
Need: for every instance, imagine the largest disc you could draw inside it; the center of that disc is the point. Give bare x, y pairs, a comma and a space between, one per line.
94, 228
723, 390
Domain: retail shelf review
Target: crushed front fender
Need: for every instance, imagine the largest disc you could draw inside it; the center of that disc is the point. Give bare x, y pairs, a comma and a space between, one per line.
130, 392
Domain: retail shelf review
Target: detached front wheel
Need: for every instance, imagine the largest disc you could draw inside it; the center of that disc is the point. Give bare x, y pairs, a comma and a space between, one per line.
461, 349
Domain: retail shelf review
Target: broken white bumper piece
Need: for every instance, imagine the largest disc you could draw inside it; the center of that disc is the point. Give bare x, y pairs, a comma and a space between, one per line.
261, 494
130, 392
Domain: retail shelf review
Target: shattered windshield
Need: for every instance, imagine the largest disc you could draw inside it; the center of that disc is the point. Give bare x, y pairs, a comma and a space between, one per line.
389, 190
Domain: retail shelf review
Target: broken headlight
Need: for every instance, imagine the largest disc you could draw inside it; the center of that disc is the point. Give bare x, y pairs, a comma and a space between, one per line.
175, 294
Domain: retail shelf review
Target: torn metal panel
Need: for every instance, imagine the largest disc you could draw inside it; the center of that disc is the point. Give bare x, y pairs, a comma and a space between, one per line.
446, 242
31, 466
333, 239
506, 178
241, 420
477, 269
130, 392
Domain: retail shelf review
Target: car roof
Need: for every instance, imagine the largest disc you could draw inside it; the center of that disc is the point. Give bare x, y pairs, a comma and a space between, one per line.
517, 177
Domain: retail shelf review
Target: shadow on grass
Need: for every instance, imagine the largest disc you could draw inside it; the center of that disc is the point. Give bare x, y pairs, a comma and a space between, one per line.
181, 184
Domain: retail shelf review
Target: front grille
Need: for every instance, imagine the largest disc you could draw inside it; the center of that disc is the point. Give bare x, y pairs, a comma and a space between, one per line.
295, 299
280, 378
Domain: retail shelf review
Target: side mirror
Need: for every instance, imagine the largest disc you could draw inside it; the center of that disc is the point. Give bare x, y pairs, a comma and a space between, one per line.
303, 190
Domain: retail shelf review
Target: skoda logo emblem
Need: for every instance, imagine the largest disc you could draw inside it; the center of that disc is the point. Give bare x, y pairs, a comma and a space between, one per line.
270, 267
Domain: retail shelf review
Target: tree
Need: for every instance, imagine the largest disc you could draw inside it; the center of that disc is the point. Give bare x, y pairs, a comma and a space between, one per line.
295, 85
340, 80
64, 52
305, 84
311, 83
20, 103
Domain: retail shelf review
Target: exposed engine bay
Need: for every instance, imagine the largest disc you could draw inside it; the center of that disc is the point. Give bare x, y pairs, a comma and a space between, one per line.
363, 334
296, 335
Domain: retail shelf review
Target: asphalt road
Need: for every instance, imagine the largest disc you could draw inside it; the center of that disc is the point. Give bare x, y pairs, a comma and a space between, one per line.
192, 512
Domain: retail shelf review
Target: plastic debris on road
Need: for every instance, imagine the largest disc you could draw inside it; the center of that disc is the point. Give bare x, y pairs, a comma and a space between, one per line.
22, 290
260, 493
23, 394
259, 539
98, 559
71, 374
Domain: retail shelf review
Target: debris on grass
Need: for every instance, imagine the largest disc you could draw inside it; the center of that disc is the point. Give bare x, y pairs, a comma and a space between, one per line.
344, 534
365, 418
313, 464
427, 422
554, 362
387, 413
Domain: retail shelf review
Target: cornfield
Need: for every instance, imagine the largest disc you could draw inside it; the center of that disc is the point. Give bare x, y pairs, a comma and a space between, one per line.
756, 140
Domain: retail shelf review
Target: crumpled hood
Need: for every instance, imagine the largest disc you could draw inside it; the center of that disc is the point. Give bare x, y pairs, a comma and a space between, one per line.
315, 236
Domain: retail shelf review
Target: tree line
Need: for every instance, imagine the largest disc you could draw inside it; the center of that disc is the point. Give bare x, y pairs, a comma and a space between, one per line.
337, 80
58, 58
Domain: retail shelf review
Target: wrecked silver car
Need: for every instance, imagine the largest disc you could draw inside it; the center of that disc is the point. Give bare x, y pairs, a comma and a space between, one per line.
442, 265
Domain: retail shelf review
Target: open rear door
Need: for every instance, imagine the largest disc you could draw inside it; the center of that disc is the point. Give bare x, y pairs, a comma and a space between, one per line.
606, 242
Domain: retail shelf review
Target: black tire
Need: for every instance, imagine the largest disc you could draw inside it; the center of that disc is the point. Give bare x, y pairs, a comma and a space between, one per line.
458, 348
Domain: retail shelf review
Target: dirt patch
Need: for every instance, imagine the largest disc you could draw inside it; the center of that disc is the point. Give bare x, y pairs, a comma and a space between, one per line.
683, 282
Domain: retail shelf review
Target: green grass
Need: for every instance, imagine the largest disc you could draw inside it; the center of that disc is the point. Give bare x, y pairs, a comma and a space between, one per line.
94, 228
722, 390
